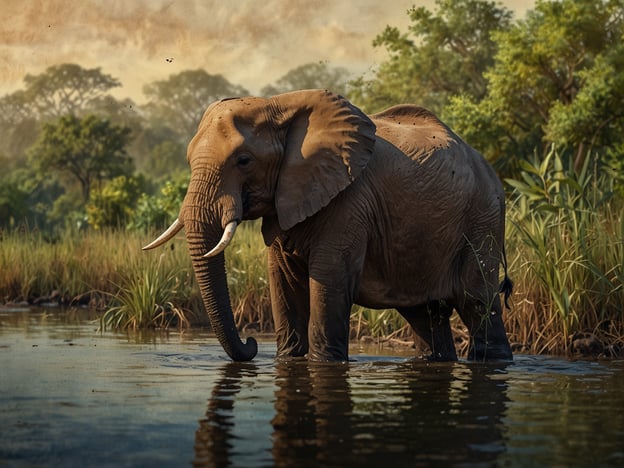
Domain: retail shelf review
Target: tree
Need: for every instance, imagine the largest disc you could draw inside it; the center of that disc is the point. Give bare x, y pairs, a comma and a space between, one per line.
28, 197
60, 90
158, 210
444, 54
90, 149
182, 99
14, 206
18, 127
113, 204
557, 78
166, 159
65, 89
317, 75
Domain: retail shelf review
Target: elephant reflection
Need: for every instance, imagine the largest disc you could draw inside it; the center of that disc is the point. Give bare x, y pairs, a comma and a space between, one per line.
214, 441
311, 410
364, 414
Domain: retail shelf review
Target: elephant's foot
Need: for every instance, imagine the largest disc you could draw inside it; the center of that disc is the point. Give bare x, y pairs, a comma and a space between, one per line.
447, 356
328, 354
490, 351
431, 323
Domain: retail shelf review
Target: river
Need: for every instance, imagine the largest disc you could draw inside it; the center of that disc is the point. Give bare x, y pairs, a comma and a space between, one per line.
71, 396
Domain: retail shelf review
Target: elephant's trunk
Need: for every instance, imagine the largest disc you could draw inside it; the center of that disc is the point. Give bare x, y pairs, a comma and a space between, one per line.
212, 280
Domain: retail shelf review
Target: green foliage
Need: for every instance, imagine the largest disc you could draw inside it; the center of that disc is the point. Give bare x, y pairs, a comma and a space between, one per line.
90, 150
317, 75
166, 159
113, 204
29, 198
444, 54
160, 210
569, 236
14, 207
556, 78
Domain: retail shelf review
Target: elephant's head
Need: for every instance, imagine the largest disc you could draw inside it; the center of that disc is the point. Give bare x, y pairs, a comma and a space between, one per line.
283, 159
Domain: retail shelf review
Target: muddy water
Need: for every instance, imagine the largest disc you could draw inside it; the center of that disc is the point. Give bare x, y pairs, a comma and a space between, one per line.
70, 396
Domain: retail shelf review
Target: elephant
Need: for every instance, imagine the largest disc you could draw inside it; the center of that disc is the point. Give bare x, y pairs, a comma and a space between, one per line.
391, 210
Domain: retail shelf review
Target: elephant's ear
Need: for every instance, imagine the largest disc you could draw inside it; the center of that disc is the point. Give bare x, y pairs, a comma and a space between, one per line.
328, 142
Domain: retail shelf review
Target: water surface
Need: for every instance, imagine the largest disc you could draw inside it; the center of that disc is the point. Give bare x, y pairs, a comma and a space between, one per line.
70, 396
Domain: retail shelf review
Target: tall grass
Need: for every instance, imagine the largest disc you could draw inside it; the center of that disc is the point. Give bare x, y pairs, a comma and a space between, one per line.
566, 233
151, 295
108, 270
248, 280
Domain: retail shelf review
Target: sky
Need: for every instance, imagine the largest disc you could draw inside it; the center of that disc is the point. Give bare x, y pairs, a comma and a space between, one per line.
252, 43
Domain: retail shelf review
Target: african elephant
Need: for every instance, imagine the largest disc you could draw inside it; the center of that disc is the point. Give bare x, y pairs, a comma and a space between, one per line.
391, 210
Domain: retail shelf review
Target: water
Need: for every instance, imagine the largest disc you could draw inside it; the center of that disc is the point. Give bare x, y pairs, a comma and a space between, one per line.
70, 396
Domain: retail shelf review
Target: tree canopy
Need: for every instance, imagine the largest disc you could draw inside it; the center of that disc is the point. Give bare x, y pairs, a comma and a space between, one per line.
557, 78
65, 89
89, 149
182, 99
511, 87
443, 53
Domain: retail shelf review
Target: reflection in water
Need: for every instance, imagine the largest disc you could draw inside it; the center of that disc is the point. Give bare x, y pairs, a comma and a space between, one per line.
367, 414
313, 405
364, 413
214, 439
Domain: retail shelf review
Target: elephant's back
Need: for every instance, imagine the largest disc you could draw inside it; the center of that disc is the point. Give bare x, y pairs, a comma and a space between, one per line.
414, 130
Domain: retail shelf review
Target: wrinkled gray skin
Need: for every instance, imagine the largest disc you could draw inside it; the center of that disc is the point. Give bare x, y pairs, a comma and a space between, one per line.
391, 210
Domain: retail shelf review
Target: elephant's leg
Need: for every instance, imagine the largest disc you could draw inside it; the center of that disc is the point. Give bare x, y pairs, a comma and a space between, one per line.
488, 339
290, 301
431, 323
328, 331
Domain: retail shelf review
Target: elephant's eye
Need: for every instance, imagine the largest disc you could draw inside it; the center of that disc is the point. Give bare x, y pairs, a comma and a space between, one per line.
244, 160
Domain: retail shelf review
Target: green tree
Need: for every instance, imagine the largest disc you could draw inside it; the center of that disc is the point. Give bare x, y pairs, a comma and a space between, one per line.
65, 89
60, 90
444, 53
14, 207
90, 150
18, 127
166, 159
159, 210
114, 203
317, 75
182, 99
557, 78
28, 197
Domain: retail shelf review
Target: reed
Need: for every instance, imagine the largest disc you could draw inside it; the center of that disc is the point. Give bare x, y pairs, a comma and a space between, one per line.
566, 233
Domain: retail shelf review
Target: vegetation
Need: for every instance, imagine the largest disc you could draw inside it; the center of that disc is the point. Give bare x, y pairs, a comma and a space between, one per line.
567, 235
88, 178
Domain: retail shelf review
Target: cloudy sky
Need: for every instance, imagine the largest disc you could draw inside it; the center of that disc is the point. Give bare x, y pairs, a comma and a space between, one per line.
251, 42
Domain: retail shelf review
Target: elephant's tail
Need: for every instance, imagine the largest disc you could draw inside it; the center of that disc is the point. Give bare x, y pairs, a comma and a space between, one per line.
506, 286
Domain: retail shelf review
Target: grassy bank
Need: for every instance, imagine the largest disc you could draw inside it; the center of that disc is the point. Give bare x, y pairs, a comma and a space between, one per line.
565, 246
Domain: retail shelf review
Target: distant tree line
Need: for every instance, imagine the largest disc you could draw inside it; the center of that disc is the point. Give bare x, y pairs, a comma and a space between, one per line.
74, 156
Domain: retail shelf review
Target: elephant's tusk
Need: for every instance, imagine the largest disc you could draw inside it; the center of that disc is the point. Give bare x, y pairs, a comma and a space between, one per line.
227, 236
171, 231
